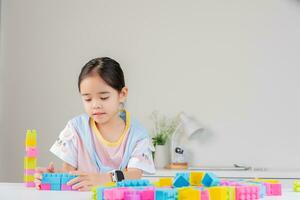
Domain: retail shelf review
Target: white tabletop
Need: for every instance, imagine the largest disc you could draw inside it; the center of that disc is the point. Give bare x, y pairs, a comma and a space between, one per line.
19, 191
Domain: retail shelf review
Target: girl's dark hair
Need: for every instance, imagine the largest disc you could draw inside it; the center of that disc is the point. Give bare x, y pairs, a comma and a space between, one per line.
108, 69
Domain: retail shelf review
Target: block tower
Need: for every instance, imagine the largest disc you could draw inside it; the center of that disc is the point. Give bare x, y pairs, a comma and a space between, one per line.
30, 158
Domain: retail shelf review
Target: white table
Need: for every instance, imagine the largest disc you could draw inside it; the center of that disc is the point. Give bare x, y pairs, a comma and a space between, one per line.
20, 192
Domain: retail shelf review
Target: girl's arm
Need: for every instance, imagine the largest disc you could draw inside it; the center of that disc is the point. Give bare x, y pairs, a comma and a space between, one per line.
85, 181
133, 173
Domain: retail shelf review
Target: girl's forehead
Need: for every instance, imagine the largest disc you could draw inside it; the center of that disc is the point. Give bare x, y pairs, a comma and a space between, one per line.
94, 84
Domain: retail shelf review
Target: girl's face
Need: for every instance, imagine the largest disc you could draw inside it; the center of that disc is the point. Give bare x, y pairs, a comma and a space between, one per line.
101, 101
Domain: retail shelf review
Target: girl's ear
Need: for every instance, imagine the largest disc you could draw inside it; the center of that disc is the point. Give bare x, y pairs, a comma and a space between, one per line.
123, 94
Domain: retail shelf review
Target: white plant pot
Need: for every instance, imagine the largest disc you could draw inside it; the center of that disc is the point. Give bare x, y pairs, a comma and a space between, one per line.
161, 157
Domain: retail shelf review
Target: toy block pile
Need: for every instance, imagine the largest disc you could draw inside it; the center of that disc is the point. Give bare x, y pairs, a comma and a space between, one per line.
30, 159
188, 186
56, 181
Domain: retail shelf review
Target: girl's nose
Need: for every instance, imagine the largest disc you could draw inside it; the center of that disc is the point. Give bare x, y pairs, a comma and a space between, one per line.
97, 104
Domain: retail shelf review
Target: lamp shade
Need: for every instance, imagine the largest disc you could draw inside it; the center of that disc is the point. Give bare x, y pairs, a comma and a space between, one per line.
190, 125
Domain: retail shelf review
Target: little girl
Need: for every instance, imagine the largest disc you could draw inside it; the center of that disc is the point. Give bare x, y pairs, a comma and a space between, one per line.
105, 144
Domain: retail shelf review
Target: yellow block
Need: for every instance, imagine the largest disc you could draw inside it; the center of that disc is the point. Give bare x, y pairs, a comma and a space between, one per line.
165, 182
29, 163
218, 193
94, 192
297, 183
28, 178
30, 140
156, 184
196, 178
230, 193
188, 194
110, 184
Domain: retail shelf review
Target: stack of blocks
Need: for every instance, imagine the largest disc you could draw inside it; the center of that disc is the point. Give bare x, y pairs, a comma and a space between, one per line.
30, 159
56, 181
189, 186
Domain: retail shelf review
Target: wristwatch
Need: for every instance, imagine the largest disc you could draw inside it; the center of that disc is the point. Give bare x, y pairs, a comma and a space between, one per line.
117, 176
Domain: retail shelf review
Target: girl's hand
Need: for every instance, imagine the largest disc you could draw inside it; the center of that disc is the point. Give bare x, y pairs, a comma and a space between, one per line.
39, 174
85, 181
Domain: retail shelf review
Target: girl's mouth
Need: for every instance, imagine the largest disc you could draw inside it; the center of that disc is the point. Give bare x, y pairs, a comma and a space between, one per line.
98, 114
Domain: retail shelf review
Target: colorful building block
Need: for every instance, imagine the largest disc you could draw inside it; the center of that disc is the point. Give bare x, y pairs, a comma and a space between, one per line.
165, 182
188, 194
31, 152
210, 180
218, 193
247, 192
165, 194
196, 178
133, 183
30, 159
180, 181
296, 186
30, 140
57, 181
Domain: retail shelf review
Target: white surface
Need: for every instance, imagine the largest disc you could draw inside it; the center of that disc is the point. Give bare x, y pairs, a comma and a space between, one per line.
18, 191
234, 65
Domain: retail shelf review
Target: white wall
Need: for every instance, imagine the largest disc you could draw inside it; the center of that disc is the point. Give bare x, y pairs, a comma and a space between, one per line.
234, 65
2, 157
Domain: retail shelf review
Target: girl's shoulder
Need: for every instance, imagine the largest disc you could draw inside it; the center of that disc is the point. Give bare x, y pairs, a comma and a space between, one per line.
79, 120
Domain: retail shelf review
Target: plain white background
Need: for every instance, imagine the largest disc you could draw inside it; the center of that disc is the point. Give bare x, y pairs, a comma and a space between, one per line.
233, 65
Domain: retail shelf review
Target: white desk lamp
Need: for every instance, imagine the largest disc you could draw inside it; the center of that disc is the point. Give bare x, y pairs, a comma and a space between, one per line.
190, 126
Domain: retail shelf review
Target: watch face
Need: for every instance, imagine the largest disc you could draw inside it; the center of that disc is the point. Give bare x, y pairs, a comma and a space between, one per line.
119, 175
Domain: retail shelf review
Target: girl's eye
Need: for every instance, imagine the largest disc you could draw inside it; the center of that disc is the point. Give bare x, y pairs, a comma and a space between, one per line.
87, 100
104, 98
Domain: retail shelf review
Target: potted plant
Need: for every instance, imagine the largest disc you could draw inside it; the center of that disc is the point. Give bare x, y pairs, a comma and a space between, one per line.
163, 128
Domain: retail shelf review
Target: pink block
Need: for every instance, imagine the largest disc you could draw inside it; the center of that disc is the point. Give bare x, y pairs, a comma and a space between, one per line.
276, 189
30, 184
268, 189
31, 152
29, 171
115, 193
246, 192
132, 195
66, 187
205, 195
45, 186
148, 194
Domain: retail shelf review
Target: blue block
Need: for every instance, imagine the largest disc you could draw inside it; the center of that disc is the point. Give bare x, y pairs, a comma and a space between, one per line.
180, 181
55, 186
66, 178
133, 183
210, 179
165, 194
52, 178
186, 175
